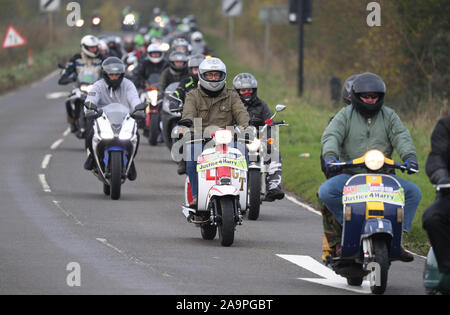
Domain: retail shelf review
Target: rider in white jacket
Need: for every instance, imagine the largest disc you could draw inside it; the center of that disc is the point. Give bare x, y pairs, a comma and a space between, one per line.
113, 88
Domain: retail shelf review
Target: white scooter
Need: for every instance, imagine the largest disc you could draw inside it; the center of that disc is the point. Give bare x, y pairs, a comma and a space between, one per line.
258, 170
114, 144
222, 189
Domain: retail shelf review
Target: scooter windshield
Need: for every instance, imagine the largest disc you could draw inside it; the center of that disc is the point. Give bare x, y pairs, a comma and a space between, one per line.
116, 113
88, 75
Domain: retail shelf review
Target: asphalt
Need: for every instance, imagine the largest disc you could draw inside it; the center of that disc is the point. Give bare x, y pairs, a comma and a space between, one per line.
140, 244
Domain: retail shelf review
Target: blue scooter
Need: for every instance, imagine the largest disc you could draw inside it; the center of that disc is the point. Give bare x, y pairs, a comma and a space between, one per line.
373, 219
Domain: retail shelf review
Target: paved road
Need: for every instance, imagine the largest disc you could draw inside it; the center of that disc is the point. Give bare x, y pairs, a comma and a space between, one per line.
54, 213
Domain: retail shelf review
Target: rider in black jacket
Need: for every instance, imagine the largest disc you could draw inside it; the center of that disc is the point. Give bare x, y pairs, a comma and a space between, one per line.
246, 86
154, 63
436, 219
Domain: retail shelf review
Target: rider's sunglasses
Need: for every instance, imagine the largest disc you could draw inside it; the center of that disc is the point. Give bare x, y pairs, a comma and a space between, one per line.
369, 95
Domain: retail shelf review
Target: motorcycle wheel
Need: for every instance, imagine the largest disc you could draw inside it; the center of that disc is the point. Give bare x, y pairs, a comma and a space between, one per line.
106, 189
226, 224
116, 174
153, 129
356, 281
381, 253
208, 231
254, 182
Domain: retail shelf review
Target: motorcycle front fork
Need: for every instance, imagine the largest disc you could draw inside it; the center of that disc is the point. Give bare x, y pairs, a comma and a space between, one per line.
214, 217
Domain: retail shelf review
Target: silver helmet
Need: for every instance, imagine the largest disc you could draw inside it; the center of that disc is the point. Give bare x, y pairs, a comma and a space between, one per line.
246, 81
212, 65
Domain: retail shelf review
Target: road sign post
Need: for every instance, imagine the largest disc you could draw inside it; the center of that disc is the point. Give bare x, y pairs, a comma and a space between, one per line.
50, 6
300, 12
231, 9
268, 16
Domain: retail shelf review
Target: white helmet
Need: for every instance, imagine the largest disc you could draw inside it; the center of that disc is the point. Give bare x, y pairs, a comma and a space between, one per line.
216, 65
155, 48
87, 42
196, 37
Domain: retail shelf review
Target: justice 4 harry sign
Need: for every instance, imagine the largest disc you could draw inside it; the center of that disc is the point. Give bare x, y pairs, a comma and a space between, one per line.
13, 39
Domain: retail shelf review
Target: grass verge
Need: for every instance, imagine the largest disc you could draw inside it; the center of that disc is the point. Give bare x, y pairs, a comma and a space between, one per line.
307, 121
15, 75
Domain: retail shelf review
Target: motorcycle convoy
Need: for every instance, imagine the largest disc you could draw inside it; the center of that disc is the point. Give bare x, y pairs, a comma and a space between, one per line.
232, 182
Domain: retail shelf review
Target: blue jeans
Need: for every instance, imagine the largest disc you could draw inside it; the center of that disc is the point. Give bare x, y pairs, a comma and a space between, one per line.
330, 192
193, 151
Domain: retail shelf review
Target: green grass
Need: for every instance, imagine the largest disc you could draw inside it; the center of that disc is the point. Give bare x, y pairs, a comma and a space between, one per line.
45, 61
307, 121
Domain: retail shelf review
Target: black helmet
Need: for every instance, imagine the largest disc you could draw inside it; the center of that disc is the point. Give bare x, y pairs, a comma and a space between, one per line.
113, 65
178, 56
368, 83
246, 81
347, 89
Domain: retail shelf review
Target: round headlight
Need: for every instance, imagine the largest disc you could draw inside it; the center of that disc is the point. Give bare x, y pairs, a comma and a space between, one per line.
374, 160
254, 145
223, 136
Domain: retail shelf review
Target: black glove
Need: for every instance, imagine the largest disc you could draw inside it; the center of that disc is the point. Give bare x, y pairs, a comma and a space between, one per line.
440, 177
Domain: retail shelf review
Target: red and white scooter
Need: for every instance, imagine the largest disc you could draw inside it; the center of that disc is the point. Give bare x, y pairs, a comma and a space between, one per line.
222, 189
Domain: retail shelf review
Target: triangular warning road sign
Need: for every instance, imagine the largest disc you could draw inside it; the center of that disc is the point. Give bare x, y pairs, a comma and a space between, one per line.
13, 38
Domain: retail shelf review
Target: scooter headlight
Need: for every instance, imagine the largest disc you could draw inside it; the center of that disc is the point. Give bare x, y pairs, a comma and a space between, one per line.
131, 68
374, 160
223, 136
165, 47
152, 96
86, 88
254, 145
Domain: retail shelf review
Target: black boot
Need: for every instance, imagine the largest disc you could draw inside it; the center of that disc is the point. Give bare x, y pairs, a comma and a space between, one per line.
89, 164
132, 172
181, 167
274, 194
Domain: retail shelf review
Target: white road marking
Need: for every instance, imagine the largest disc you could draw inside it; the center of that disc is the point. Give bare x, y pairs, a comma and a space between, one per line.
67, 212
56, 95
56, 144
44, 183
131, 258
66, 132
46, 161
331, 278
304, 205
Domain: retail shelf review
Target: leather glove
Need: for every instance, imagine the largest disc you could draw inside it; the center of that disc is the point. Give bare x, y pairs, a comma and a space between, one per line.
332, 168
440, 177
411, 164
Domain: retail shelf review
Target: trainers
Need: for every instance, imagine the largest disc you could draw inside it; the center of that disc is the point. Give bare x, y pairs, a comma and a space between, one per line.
89, 164
275, 194
181, 168
405, 256
132, 174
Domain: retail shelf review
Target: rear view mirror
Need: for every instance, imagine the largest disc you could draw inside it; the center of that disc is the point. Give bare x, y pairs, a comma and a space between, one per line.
280, 107
138, 115
93, 114
140, 107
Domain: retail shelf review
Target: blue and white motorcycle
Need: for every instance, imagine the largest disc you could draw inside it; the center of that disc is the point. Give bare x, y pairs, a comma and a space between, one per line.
114, 144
